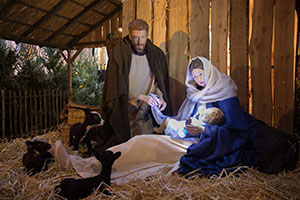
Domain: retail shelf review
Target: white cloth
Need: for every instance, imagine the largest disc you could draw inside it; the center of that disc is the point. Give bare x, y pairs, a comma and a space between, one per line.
141, 156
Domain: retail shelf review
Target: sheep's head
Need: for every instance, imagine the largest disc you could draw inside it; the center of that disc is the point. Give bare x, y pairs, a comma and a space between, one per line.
107, 157
93, 118
38, 145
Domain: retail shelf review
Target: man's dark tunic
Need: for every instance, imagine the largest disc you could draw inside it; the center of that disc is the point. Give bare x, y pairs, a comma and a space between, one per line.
115, 90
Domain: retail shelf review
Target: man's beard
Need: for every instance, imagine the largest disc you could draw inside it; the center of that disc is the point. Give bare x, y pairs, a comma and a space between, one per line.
139, 48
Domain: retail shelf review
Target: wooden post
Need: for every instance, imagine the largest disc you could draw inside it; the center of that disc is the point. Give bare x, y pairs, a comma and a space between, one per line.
53, 107
69, 76
21, 114
49, 107
199, 28
128, 14
284, 62
239, 42
56, 101
15, 113
45, 108
160, 24
26, 113
41, 110
219, 33
35, 112
31, 113
260, 57
144, 11
10, 115
3, 113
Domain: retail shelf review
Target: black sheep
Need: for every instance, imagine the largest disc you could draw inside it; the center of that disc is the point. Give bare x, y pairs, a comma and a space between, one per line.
37, 157
71, 188
78, 131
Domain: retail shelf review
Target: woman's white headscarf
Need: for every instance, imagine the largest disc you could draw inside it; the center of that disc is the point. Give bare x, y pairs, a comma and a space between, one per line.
218, 87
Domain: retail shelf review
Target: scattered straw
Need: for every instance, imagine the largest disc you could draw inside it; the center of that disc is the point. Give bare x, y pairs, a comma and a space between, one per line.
250, 184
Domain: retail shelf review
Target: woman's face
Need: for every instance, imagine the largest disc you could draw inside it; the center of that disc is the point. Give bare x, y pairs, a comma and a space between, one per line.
198, 76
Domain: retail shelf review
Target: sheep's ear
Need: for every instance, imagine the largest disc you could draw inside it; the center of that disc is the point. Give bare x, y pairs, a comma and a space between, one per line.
117, 155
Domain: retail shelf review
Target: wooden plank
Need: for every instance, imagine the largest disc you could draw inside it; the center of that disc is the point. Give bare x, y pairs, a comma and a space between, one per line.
41, 110
144, 11
45, 108
49, 107
105, 30
31, 115
26, 113
35, 112
199, 28
56, 102
128, 14
260, 57
53, 107
219, 31
15, 114
69, 78
178, 47
284, 70
239, 42
3, 112
160, 24
10, 114
21, 114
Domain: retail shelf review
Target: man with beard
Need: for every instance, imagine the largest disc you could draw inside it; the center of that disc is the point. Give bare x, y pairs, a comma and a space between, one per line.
136, 68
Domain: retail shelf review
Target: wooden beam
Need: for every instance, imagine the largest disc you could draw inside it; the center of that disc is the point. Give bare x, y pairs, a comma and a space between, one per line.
284, 64
71, 21
76, 54
219, 31
63, 55
6, 8
54, 9
92, 9
69, 76
239, 42
260, 58
199, 28
83, 34
128, 14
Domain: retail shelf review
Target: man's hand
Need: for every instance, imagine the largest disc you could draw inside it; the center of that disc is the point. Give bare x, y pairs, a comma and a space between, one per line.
148, 100
162, 104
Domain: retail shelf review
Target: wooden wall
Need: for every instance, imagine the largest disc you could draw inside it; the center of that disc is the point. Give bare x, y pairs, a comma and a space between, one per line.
253, 41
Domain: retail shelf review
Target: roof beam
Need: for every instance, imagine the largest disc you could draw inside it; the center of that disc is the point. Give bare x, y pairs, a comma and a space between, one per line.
83, 34
71, 21
6, 8
53, 10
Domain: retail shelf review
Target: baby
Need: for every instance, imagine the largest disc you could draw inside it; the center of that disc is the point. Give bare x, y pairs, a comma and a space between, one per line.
211, 115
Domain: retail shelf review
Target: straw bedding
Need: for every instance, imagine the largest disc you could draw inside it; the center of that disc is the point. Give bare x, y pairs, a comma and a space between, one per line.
250, 184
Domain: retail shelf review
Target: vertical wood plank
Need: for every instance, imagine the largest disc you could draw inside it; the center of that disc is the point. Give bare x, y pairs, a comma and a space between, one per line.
128, 14
69, 76
35, 112
3, 112
45, 109
284, 70
160, 24
144, 11
56, 102
15, 114
199, 28
178, 39
219, 31
239, 69
21, 114
260, 57
41, 110
31, 113
49, 107
178, 47
26, 113
105, 30
53, 107
10, 114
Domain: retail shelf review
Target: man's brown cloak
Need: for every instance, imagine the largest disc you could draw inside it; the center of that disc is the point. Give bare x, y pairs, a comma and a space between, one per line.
115, 90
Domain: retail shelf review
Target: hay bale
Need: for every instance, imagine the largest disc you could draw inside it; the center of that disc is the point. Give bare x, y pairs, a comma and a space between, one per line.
250, 184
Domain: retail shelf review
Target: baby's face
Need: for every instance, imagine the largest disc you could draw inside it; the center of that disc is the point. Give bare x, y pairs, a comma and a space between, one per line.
198, 76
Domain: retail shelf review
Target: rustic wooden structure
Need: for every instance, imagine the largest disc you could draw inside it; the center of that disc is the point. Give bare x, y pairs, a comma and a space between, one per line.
64, 24
253, 41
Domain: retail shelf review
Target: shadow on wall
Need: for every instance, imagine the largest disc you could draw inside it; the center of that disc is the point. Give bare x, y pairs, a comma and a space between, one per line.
177, 94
